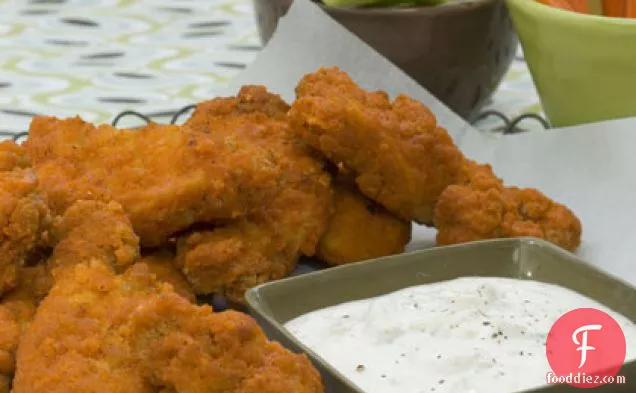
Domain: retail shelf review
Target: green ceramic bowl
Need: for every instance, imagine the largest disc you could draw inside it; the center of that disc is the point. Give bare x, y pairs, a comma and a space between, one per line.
584, 66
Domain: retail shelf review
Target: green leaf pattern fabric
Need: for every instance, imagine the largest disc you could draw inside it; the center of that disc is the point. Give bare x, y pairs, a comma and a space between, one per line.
96, 58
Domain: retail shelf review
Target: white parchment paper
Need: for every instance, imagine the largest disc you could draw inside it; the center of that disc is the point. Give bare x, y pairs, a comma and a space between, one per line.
590, 168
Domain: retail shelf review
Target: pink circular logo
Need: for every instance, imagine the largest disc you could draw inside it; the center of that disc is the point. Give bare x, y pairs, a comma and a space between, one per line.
585, 347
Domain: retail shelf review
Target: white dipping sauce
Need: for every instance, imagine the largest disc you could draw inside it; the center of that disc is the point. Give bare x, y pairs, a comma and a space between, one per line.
467, 335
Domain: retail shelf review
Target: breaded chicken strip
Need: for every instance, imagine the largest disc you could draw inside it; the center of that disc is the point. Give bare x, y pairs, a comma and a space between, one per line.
478, 176
251, 99
34, 284
397, 153
87, 231
482, 208
9, 339
14, 318
91, 230
162, 266
77, 341
360, 229
232, 259
13, 156
166, 177
183, 348
17, 309
99, 332
94, 230
403, 160
24, 214
267, 244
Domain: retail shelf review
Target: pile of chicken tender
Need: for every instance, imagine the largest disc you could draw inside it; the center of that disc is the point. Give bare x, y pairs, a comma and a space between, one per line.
109, 236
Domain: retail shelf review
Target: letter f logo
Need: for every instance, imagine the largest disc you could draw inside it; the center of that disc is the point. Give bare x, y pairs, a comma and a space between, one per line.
583, 344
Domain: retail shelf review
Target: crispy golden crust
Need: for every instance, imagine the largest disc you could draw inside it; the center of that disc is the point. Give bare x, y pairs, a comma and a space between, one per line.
34, 284
478, 176
17, 309
9, 339
91, 230
190, 349
99, 332
360, 229
230, 260
24, 215
166, 177
15, 315
76, 341
397, 153
12, 156
10, 332
482, 208
251, 99
162, 266
266, 245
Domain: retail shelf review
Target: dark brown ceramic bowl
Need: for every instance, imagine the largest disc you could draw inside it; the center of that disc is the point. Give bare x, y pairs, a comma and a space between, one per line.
458, 51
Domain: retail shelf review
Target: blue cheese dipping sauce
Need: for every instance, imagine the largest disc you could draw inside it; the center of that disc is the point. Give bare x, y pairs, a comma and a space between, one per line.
468, 335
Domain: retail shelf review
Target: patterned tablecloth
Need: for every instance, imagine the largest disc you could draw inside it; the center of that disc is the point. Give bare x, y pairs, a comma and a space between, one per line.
99, 57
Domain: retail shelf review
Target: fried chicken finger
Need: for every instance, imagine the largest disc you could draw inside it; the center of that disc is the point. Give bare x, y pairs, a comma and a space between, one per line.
360, 229
395, 150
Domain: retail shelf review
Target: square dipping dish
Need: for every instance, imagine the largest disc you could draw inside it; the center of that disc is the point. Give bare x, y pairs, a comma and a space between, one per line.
276, 303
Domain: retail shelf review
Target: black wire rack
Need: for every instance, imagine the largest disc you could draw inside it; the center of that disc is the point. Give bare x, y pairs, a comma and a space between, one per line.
512, 126
508, 126
175, 116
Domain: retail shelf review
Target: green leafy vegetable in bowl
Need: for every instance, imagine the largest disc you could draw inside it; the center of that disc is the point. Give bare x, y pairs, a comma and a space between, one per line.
354, 3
